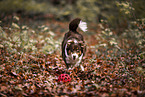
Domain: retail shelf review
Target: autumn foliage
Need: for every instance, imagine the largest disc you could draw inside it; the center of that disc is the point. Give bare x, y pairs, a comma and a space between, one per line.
31, 62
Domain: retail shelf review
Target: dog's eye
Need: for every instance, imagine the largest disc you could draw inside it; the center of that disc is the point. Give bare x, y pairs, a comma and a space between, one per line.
73, 48
80, 52
69, 52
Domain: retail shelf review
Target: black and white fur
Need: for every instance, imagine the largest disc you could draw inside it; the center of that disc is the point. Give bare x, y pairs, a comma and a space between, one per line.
73, 45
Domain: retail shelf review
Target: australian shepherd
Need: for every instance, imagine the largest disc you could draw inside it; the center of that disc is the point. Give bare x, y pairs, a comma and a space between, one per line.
73, 45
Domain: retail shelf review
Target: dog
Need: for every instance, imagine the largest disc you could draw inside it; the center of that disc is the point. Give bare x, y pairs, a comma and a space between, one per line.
73, 45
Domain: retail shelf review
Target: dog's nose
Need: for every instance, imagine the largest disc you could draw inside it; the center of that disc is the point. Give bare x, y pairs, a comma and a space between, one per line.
74, 57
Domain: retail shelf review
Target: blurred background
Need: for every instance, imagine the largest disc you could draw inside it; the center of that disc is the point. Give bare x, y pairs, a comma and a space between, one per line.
120, 21
118, 13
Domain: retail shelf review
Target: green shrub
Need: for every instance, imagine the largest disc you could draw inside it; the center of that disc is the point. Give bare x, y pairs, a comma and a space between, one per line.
23, 39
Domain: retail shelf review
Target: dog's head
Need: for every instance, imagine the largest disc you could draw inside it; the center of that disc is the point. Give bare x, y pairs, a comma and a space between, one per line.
73, 49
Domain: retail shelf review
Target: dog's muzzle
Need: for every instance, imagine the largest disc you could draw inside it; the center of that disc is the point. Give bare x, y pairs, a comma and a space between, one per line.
74, 56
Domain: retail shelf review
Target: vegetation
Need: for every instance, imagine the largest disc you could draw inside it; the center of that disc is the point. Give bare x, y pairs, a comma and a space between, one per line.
30, 48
